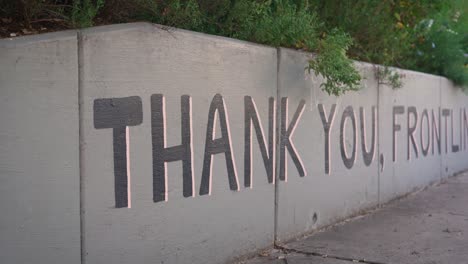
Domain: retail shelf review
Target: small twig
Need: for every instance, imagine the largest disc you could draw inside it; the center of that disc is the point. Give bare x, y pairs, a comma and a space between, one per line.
59, 5
48, 20
316, 254
56, 13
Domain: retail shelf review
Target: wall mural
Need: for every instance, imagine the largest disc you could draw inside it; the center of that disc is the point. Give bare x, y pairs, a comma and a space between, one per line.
119, 114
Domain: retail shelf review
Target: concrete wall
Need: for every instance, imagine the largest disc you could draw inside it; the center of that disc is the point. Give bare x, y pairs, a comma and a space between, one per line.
39, 153
227, 220
329, 191
454, 102
199, 149
407, 165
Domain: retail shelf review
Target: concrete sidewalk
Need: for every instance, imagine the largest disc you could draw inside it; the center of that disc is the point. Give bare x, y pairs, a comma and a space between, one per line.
429, 227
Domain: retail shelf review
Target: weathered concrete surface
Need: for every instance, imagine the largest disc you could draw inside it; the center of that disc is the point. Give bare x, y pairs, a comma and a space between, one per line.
427, 227
454, 100
293, 258
124, 75
39, 153
405, 167
320, 197
275, 256
142, 60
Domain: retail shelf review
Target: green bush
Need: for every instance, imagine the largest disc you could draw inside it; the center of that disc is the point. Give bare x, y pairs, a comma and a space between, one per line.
331, 62
285, 23
423, 35
72, 13
174, 13
397, 33
274, 22
83, 12
440, 45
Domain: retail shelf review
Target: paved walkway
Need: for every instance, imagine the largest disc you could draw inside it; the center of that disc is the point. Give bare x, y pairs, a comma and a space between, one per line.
429, 227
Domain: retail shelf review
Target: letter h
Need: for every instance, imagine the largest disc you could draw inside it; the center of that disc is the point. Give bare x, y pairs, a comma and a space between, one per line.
163, 154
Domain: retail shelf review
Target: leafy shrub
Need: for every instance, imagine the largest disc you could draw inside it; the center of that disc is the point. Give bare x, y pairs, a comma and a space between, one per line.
440, 45
331, 62
175, 13
423, 35
397, 33
284, 23
83, 12
277, 23
73, 13
386, 75
274, 22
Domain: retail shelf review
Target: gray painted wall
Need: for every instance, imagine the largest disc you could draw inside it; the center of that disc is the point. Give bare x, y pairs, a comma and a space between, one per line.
39, 153
199, 229
456, 101
321, 197
414, 170
114, 90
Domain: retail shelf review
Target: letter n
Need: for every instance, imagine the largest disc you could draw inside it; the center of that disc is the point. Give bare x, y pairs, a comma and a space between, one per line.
251, 118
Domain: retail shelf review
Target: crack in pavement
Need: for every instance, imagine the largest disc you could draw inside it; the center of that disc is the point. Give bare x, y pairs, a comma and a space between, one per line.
317, 254
458, 214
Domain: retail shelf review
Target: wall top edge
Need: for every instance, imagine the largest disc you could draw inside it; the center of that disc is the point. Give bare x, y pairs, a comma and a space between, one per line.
151, 27
32, 39
359, 64
157, 28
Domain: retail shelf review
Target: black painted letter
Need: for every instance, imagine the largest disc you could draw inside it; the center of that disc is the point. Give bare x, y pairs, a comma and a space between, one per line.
445, 113
435, 127
397, 110
285, 139
251, 117
163, 154
425, 149
368, 156
327, 124
119, 114
219, 145
348, 161
455, 148
411, 130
